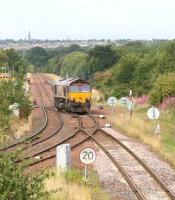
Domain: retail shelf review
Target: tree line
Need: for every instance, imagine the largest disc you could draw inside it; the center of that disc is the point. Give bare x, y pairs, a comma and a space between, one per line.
112, 69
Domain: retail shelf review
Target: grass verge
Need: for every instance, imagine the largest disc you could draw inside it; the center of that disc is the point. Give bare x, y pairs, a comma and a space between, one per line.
142, 128
69, 185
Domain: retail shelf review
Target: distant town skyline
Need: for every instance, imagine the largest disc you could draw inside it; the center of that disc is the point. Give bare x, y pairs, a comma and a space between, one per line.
88, 19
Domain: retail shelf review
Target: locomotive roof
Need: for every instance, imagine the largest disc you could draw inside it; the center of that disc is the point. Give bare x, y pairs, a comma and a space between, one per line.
69, 81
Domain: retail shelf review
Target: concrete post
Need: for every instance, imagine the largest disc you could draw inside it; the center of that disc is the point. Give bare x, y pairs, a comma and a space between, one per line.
63, 156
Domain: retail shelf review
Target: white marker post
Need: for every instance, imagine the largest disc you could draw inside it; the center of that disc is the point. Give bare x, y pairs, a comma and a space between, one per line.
153, 113
87, 156
130, 93
130, 107
112, 101
124, 102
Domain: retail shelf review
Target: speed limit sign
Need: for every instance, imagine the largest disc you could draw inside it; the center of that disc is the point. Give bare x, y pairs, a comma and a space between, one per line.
87, 155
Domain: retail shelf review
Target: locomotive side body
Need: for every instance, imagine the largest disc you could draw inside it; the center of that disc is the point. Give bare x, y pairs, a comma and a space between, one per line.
73, 95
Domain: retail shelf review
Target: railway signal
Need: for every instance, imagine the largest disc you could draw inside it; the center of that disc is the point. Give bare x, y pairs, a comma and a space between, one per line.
87, 156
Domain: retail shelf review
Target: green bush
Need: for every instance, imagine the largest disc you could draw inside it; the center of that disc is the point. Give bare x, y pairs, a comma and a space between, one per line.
18, 184
163, 87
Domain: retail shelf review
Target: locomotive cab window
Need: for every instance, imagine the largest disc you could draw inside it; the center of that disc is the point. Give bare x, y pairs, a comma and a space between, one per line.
74, 88
85, 88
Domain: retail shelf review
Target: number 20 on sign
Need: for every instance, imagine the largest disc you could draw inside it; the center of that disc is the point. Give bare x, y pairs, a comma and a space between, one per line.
87, 156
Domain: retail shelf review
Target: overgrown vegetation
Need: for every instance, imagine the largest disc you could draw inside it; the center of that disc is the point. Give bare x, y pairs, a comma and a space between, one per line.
163, 87
69, 184
17, 183
142, 128
12, 91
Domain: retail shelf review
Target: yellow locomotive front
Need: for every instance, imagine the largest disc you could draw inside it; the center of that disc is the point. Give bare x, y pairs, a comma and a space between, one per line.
80, 96
72, 94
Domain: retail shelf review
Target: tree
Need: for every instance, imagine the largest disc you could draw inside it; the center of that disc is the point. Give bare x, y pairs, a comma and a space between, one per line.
163, 87
75, 64
3, 58
14, 59
123, 71
105, 57
17, 183
37, 56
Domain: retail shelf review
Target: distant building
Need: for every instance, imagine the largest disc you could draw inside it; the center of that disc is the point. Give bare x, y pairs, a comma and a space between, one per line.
29, 36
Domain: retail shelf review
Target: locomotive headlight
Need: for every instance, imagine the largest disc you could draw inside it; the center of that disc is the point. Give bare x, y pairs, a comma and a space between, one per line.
72, 99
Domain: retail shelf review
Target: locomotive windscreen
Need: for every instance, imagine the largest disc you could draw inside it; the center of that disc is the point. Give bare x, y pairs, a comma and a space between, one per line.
74, 88
85, 88
80, 88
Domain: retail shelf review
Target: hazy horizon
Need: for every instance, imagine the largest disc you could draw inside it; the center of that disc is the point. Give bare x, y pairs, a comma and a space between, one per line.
142, 39
88, 19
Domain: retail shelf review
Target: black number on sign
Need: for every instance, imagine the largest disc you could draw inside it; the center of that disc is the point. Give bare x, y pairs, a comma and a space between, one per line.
88, 155
85, 155
154, 114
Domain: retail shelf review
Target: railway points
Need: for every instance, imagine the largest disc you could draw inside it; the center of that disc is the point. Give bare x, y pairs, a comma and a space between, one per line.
83, 131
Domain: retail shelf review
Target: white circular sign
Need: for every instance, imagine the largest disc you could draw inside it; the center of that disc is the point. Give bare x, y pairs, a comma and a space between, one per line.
112, 101
87, 155
124, 101
153, 113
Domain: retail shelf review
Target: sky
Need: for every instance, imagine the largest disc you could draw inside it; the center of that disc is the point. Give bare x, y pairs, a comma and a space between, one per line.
87, 19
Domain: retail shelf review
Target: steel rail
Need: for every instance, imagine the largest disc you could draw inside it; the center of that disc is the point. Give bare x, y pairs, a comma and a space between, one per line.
55, 145
54, 154
145, 166
142, 162
56, 131
123, 172
79, 129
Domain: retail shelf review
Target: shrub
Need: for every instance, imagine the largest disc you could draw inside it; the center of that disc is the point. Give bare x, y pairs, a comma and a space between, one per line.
17, 183
168, 102
163, 87
142, 100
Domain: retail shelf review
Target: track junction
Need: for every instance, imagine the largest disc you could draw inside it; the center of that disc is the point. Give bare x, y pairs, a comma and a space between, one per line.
54, 128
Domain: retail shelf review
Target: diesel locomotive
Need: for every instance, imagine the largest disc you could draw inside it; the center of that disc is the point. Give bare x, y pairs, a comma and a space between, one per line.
72, 95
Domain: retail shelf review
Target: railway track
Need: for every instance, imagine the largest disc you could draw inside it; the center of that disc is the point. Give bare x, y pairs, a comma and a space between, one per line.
87, 128
99, 137
58, 118
75, 138
38, 136
47, 142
